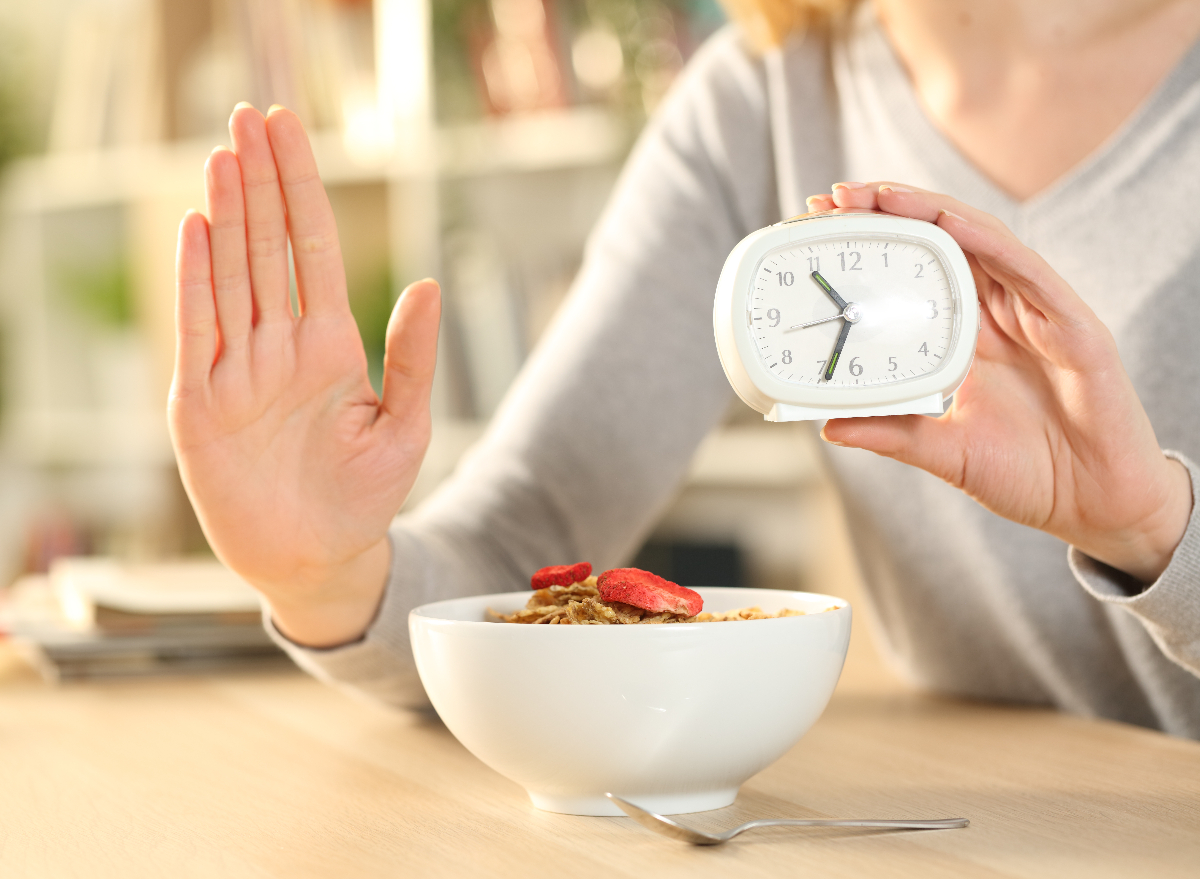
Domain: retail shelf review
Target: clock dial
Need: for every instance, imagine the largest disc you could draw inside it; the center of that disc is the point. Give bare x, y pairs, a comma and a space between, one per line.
885, 301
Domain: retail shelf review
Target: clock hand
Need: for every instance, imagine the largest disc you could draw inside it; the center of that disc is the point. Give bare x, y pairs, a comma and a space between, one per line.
837, 350
813, 323
851, 313
824, 285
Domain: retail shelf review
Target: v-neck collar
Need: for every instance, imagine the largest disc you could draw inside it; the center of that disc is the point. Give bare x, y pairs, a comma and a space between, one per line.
873, 54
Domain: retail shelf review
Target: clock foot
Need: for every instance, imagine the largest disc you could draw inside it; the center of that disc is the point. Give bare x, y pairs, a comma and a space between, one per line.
931, 405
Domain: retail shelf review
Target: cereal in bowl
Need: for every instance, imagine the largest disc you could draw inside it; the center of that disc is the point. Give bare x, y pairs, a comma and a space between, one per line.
570, 595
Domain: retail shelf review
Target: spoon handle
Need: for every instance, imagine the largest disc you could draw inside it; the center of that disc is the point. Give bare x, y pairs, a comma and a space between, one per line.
930, 824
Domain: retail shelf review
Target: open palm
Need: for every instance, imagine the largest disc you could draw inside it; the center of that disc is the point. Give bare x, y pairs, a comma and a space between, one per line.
1047, 429
294, 465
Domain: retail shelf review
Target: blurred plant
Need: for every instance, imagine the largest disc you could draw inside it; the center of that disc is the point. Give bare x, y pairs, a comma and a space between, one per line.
371, 303
104, 292
623, 53
656, 37
460, 28
16, 126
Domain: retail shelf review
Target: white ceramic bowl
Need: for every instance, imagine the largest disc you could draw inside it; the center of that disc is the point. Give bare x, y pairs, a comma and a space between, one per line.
673, 717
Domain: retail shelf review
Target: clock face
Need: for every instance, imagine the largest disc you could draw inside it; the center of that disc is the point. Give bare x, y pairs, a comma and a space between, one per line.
889, 295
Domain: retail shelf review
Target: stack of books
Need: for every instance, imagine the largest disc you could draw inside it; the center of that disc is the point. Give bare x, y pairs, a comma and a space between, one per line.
96, 617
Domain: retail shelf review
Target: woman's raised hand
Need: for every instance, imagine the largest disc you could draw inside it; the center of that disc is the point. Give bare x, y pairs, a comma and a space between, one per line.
294, 465
1047, 429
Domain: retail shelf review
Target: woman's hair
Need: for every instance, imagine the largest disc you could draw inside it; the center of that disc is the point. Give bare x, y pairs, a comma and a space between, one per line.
769, 22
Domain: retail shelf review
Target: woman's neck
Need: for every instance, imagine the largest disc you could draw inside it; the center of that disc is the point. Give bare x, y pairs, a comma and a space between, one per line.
1026, 89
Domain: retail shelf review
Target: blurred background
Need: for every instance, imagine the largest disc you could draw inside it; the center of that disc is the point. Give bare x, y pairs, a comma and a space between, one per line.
474, 140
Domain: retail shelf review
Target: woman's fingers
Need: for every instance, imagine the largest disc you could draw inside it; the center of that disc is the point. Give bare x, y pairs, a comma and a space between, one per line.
855, 195
320, 277
932, 444
227, 236
1018, 269
411, 354
846, 194
820, 203
195, 310
876, 196
908, 201
1000, 256
266, 223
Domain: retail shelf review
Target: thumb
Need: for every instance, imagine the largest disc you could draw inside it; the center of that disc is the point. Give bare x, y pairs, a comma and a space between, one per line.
932, 444
411, 348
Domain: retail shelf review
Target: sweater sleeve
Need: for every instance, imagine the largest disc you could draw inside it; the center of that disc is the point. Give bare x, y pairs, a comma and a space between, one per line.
598, 430
1170, 607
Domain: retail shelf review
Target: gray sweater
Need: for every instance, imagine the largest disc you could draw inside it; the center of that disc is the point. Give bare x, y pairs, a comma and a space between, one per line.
597, 432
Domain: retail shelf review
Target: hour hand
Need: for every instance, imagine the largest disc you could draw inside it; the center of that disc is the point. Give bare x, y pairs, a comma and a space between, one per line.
824, 285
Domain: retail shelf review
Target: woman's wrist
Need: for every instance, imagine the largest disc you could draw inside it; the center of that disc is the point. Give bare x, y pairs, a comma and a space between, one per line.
1145, 552
338, 605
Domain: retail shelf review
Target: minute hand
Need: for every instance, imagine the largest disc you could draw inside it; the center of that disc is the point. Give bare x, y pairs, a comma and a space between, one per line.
837, 350
824, 285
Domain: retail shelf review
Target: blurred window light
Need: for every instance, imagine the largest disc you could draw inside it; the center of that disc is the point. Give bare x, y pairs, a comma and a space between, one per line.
368, 134
598, 59
87, 58
402, 59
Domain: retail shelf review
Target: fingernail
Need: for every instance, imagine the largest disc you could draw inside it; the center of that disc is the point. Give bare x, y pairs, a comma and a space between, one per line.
237, 107
888, 187
950, 214
849, 185
271, 109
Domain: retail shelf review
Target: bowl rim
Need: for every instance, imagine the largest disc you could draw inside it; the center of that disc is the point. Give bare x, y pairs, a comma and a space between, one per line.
423, 612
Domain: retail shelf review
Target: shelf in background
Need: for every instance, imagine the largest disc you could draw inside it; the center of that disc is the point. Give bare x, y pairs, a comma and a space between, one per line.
534, 142
88, 437
578, 137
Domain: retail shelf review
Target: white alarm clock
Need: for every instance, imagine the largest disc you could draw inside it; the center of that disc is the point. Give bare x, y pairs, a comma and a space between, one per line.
846, 313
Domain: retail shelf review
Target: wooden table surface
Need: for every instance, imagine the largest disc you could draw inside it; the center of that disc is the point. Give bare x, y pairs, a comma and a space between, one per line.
282, 776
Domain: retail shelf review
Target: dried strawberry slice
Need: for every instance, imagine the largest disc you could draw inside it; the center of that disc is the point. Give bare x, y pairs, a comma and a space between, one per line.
561, 575
648, 591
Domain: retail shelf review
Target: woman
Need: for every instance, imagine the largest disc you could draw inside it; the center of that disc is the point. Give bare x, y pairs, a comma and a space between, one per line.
1060, 131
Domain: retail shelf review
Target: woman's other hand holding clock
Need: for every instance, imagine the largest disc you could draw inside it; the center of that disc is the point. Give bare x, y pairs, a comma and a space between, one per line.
1046, 430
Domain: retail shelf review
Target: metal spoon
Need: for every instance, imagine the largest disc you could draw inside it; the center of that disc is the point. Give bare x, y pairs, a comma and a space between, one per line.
675, 830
